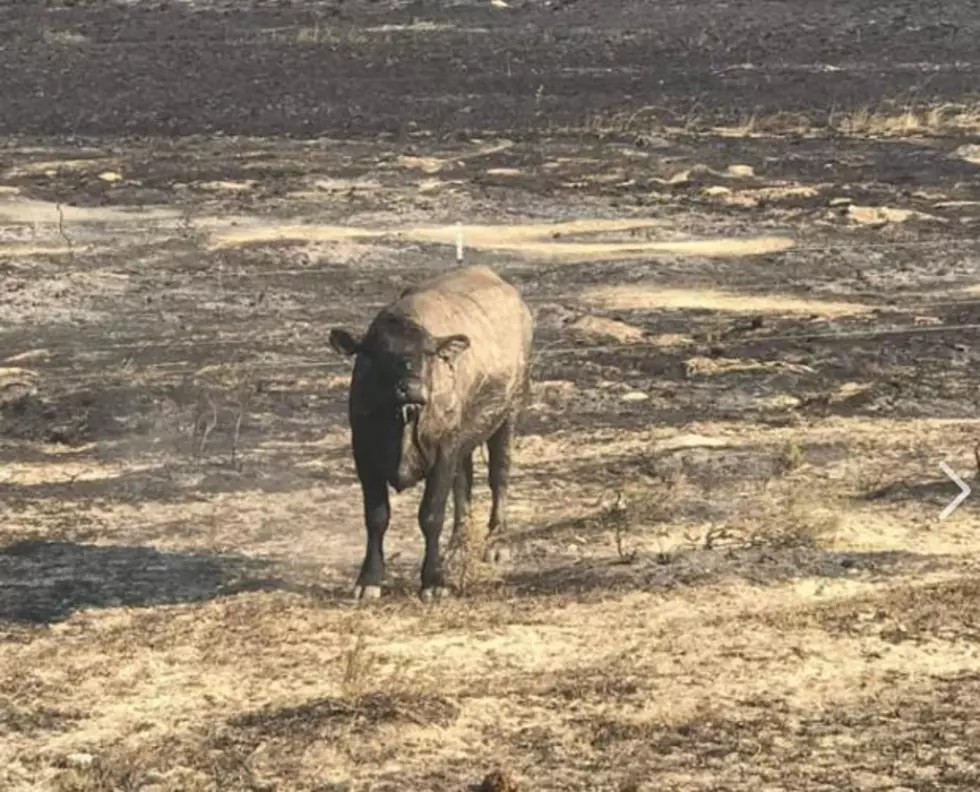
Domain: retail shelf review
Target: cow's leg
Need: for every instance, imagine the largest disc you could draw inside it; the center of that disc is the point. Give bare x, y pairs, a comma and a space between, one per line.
498, 462
462, 496
432, 516
374, 490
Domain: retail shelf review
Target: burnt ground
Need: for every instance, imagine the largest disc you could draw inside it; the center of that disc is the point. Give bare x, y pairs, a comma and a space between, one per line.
748, 232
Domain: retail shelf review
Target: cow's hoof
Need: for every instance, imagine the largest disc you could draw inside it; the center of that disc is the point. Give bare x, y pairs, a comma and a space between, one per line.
496, 554
367, 592
437, 592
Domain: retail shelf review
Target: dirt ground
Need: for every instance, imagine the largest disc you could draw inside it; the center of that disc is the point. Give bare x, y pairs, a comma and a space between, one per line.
749, 234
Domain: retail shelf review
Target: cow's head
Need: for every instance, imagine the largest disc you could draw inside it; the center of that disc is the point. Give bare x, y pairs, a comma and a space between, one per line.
398, 357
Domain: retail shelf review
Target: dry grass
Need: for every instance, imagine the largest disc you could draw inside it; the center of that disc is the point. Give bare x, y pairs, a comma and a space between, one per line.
267, 688
885, 121
690, 606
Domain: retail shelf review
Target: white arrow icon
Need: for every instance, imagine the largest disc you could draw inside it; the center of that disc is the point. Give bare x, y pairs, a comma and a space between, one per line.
964, 491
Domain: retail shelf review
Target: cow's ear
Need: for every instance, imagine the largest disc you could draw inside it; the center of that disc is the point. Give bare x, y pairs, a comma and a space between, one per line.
449, 347
343, 342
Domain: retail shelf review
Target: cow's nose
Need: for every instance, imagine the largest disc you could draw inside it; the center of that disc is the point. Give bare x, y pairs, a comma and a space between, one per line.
410, 392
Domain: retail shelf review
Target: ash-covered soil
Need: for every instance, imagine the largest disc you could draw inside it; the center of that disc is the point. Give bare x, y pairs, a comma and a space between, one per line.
355, 68
748, 233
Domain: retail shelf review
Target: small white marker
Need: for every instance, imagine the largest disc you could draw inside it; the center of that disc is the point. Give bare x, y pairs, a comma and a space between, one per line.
459, 243
964, 491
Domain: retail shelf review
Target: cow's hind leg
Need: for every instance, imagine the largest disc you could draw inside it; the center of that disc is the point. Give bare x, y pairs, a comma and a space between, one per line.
498, 462
462, 497
432, 516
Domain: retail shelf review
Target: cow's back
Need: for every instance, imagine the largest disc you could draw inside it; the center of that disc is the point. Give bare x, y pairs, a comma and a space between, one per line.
477, 302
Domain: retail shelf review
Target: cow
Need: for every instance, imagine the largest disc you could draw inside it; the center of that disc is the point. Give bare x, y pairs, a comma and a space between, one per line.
440, 371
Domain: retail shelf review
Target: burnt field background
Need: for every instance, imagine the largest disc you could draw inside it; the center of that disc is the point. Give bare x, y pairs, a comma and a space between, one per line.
749, 234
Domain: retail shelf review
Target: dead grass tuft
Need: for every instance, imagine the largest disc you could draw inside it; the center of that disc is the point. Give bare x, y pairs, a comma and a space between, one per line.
796, 519
888, 119
359, 666
465, 566
791, 457
34, 718
359, 715
944, 610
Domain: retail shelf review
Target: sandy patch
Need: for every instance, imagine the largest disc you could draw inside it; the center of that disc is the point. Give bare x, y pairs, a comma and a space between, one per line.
740, 171
432, 165
670, 340
227, 186
27, 250
778, 401
606, 329
303, 233
26, 474
753, 197
532, 240
25, 210
639, 298
709, 366
54, 167
478, 236
423, 26
969, 152
883, 215
30, 356
529, 240
424, 164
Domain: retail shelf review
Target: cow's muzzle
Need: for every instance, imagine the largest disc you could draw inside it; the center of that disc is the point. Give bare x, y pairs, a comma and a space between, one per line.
410, 398
409, 412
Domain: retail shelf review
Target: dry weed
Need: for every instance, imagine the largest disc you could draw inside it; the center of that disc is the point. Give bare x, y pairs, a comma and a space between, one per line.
798, 519
885, 120
359, 668
227, 386
791, 457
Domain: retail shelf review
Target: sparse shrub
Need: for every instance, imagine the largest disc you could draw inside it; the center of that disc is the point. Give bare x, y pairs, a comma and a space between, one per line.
644, 505
791, 457
222, 386
799, 520
465, 565
358, 668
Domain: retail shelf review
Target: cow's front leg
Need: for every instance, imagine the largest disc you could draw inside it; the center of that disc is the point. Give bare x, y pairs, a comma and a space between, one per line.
432, 515
377, 512
376, 515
